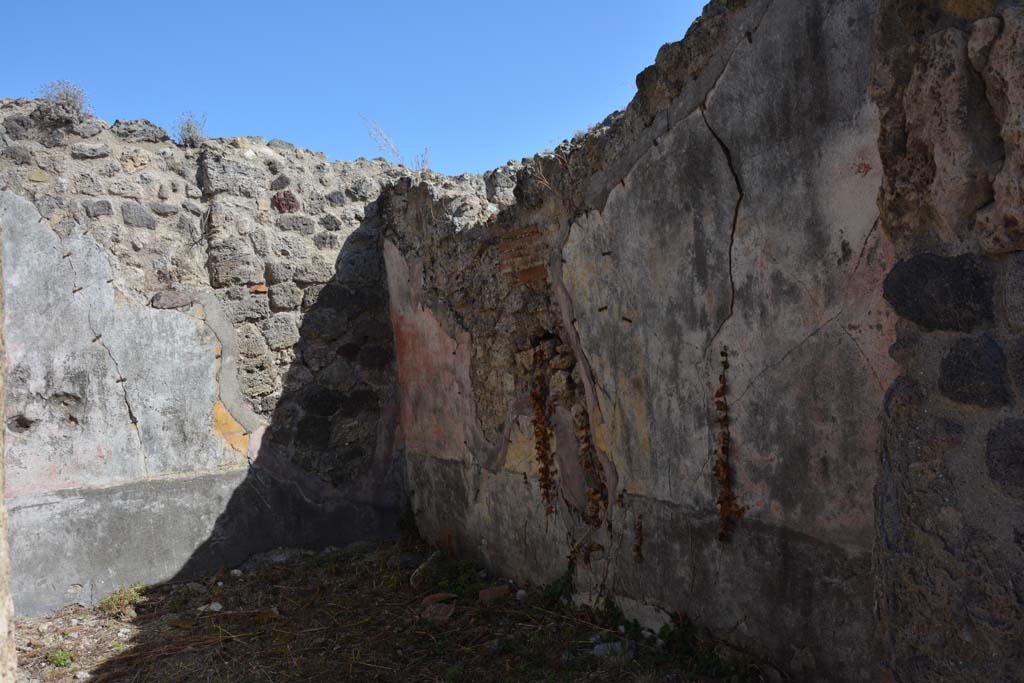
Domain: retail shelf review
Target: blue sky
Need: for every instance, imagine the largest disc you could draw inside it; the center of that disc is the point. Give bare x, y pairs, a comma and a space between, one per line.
478, 83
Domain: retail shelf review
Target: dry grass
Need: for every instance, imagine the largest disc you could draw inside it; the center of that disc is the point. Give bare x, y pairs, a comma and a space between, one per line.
351, 615
66, 101
188, 129
383, 141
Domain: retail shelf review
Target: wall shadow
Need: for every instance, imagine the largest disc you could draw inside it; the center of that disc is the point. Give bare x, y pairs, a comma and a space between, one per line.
325, 473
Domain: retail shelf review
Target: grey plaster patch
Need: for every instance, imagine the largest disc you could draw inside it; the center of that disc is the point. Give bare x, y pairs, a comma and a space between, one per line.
79, 545
227, 375
71, 336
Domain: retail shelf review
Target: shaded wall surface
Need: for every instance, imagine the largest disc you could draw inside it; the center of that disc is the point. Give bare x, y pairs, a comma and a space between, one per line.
749, 350
200, 359
950, 496
746, 350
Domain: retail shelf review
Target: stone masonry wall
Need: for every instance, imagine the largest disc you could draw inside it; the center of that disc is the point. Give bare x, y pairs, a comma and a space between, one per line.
950, 496
199, 352
746, 350
595, 313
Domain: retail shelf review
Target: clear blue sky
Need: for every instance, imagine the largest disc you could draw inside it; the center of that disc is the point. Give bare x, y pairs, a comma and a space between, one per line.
478, 82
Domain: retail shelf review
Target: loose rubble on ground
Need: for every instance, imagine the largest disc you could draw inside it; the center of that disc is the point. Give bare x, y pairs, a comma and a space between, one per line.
369, 612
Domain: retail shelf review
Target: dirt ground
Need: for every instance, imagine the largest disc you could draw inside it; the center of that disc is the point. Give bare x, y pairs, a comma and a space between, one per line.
355, 615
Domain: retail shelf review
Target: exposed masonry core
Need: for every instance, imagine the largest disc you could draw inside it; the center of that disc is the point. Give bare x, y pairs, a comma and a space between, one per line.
750, 349
211, 320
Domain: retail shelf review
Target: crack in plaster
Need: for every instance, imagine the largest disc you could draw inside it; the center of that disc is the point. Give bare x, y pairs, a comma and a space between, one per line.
735, 221
780, 361
98, 338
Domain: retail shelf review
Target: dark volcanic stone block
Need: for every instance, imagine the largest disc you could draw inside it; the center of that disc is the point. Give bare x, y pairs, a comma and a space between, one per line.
100, 207
974, 371
139, 130
313, 433
299, 223
137, 216
329, 222
320, 401
1005, 456
18, 127
940, 292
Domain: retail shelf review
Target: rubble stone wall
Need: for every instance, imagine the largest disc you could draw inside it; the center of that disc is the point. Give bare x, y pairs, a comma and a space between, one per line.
746, 351
199, 353
950, 494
